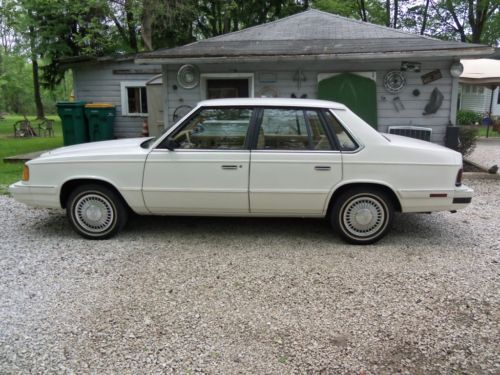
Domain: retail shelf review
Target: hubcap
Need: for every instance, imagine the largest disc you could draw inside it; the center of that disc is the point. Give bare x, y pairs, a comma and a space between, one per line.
364, 216
94, 213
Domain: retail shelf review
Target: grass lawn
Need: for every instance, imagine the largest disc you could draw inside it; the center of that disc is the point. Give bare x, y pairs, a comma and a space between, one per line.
492, 134
10, 146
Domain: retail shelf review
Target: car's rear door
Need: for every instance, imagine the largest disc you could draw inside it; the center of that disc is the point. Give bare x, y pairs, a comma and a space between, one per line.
294, 163
207, 171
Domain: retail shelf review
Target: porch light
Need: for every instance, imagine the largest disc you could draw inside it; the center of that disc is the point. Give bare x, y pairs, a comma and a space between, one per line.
456, 69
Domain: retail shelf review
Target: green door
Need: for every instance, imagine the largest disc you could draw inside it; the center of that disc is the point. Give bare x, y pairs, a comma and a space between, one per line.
356, 92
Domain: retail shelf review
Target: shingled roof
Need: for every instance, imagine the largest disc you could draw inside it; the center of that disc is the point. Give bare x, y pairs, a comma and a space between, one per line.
313, 34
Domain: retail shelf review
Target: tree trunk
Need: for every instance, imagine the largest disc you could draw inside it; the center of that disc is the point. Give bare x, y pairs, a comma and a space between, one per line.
362, 6
396, 10
424, 21
132, 36
147, 23
36, 80
388, 13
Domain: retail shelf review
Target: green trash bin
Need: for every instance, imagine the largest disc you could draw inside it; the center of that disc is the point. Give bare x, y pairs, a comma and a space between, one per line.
74, 124
101, 118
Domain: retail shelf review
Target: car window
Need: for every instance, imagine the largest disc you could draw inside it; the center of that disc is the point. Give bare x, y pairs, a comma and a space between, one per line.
215, 128
291, 129
345, 140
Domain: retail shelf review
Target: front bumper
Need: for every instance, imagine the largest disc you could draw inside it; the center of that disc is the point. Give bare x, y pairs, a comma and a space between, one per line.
35, 196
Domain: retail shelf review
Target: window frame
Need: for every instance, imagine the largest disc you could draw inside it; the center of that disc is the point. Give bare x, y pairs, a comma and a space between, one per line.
259, 117
124, 85
204, 77
187, 121
251, 138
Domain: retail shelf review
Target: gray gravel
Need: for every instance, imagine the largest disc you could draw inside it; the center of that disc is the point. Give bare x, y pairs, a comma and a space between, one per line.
487, 152
206, 295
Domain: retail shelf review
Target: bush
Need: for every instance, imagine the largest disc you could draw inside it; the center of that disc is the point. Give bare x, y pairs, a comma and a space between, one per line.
466, 117
467, 136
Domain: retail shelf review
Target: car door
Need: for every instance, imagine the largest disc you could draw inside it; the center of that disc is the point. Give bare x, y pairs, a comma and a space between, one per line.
206, 172
294, 164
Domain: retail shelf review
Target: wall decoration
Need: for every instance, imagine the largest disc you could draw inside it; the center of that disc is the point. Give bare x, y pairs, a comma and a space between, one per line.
181, 111
299, 77
398, 104
394, 81
416, 92
267, 77
431, 76
188, 76
435, 102
408, 66
293, 95
268, 92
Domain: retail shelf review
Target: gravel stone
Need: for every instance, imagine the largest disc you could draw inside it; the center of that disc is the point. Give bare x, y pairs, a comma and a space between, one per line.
487, 152
263, 296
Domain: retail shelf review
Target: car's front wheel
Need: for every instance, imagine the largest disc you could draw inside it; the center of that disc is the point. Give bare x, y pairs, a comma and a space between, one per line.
362, 216
96, 212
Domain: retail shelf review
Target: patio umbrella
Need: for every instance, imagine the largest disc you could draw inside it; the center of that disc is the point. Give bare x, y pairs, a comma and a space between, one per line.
482, 72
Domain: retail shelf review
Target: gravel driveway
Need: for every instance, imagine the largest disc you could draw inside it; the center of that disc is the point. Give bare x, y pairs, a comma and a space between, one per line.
206, 295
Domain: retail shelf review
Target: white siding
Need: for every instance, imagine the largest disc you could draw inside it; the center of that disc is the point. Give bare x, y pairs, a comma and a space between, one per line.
285, 85
98, 83
480, 103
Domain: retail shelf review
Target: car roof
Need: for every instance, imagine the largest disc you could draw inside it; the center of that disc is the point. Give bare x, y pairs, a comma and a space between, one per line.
274, 102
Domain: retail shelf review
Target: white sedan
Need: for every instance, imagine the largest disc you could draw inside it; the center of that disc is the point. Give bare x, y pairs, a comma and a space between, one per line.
251, 157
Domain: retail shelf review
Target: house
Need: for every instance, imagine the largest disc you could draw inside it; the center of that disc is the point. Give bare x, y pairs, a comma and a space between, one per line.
389, 77
479, 86
116, 80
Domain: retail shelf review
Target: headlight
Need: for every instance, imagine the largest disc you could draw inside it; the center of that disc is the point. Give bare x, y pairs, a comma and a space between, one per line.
26, 173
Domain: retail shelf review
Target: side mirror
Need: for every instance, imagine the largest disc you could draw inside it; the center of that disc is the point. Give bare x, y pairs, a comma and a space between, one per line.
170, 144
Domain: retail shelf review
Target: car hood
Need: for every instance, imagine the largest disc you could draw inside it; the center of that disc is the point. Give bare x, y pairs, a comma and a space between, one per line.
97, 148
119, 149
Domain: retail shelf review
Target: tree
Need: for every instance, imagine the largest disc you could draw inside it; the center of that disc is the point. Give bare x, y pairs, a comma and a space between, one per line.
466, 18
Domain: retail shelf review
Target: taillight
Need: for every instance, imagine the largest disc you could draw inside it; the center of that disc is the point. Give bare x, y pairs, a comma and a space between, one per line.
458, 181
26, 173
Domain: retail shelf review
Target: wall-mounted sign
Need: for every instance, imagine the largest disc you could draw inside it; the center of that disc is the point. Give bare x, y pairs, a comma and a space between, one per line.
408, 66
431, 76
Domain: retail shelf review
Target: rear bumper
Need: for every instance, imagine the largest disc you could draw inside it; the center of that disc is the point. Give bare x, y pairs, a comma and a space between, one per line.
436, 200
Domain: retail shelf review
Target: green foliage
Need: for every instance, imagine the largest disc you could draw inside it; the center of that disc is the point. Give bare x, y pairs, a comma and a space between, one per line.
468, 137
466, 117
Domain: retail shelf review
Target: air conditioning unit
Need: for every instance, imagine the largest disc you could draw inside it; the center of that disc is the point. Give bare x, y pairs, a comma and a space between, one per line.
412, 132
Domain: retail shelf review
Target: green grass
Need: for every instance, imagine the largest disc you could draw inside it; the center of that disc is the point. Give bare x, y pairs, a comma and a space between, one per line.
492, 134
10, 146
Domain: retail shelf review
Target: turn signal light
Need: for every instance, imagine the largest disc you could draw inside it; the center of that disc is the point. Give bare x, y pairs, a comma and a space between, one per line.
458, 181
26, 173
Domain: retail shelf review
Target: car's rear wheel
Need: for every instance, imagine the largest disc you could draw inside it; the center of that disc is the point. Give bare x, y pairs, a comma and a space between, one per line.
362, 216
96, 212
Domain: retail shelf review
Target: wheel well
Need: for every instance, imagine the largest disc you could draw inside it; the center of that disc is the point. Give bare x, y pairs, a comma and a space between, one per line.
69, 186
385, 189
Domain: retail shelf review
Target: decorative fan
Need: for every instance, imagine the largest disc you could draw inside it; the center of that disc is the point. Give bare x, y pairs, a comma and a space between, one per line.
188, 76
394, 81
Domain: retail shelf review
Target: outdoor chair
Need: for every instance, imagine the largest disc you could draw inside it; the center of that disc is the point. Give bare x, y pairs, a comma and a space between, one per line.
46, 128
23, 128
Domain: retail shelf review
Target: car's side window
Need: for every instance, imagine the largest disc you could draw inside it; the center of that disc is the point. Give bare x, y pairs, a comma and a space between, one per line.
291, 129
345, 140
215, 128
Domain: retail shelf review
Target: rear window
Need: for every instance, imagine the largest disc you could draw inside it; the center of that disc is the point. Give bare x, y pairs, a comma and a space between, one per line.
345, 140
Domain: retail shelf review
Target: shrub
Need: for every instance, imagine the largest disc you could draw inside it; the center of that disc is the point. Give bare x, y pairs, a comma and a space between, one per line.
467, 136
466, 117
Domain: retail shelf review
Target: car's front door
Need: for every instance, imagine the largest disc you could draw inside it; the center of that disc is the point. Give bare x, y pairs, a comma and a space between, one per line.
294, 165
207, 170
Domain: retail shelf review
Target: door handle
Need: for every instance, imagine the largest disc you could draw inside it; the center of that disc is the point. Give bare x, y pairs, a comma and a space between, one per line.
322, 168
229, 167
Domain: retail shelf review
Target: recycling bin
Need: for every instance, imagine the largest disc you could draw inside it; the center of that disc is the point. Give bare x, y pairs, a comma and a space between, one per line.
74, 123
101, 118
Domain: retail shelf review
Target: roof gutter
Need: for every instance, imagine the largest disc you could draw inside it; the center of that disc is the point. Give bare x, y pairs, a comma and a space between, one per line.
452, 53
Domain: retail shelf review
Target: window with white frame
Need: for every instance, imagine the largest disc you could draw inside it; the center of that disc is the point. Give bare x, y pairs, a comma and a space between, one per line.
134, 99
